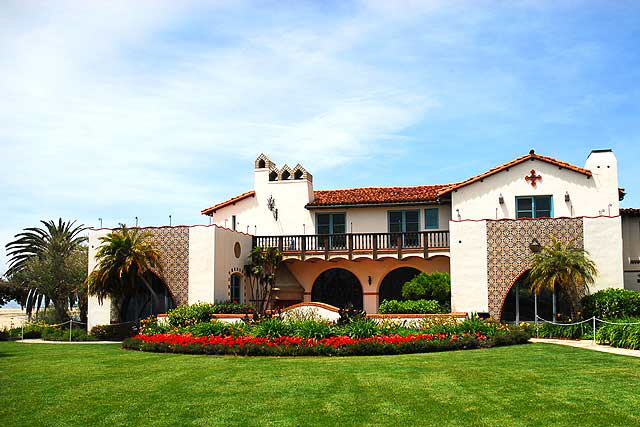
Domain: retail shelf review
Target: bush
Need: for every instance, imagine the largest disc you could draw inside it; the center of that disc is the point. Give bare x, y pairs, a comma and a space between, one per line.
61, 334
273, 327
425, 286
151, 326
310, 328
623, 336
208, 328
410, 307
189, 315
574, 332
114, 332
359, 328
612, 303
233, 308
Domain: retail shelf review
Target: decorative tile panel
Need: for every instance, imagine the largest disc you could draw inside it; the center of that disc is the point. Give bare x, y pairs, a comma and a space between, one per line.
508, 253
173, 245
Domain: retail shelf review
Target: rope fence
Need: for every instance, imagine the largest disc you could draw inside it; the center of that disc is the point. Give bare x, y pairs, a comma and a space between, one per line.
592, 319
71, 322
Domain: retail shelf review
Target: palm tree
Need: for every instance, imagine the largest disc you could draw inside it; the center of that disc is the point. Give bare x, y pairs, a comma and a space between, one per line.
566, 266
44, 262
123, 259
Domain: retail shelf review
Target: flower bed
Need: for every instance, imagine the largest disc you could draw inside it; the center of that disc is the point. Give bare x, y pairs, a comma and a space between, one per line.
332, 346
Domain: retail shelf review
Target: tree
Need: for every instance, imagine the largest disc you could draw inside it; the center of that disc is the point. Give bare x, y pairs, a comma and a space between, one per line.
123, 259
261, 276
49, 265
10, 291
436, 286
563, 266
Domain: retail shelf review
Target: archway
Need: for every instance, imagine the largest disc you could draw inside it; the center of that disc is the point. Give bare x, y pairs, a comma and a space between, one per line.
337, 287
520, 303
391, 286
143, 304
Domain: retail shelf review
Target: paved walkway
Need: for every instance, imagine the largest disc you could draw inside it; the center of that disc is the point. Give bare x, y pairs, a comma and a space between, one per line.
589, 345
41, 341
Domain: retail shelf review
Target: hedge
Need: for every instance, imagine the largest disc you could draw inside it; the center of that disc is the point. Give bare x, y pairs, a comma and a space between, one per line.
421, 306
612, 303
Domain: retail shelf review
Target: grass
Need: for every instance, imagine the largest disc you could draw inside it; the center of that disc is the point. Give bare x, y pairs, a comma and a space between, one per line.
527, 385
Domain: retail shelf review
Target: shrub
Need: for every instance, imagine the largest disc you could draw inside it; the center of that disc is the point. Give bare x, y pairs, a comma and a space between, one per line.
574, 332
208, 328
624, 336
188, 315
232, 308
359, 328
348, 314
151, 326
5, 334
612, 303
273, 327
310, 328
429, 286
410, 307
114, 332
60, 334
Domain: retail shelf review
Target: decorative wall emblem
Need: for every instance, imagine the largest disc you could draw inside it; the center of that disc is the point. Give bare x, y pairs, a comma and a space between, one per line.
237, 250
509, 255
532, 178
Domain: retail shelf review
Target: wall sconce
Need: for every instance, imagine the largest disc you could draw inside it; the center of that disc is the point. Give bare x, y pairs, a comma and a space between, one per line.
458, 212
501, 199
535, 246
369, 280
566, 197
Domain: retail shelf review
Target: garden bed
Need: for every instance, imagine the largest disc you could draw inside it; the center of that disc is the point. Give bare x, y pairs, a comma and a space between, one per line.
331, 346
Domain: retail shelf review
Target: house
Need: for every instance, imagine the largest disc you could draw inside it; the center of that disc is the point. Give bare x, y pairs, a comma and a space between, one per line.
358, 246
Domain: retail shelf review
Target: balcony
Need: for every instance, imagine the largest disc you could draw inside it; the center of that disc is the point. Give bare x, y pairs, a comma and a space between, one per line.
351, 245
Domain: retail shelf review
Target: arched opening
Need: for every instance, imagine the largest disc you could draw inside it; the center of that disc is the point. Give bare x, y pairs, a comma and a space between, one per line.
273, 176
261, 164
391, 286
144, 304
235, 289
298, 174
285, 175
338, 287
521, 304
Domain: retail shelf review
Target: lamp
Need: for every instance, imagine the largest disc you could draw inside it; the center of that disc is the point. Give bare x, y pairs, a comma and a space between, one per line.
501, 199
566, 197
535, 246
369, 280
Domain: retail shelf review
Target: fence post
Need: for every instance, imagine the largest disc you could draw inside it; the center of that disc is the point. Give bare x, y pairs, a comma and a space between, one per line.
594, 330
70, 327
23, 330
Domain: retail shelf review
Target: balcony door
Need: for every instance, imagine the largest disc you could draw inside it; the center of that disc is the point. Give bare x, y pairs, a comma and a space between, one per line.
405, 226
335, 226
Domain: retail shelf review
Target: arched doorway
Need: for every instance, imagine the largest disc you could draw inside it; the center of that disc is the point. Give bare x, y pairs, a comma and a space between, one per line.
338, 287
520, 303
235, 289
391, 286
144, 304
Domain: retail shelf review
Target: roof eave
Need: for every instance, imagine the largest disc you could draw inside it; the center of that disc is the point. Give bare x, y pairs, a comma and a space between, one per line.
374, 204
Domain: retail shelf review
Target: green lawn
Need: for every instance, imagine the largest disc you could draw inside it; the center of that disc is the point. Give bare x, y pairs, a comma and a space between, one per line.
529, 385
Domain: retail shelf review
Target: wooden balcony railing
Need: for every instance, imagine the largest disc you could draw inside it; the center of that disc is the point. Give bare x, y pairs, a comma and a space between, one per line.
355, 243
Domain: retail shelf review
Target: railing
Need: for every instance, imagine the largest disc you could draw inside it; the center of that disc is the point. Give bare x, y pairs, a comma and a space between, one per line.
355, 243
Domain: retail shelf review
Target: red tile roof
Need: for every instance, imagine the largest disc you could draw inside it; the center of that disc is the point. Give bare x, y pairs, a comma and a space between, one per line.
232, 201
530, 156
376, 195
629, 212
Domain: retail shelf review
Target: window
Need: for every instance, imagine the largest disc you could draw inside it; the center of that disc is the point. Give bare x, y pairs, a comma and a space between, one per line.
406, 222
431, 219
332, 223
235, 290
534, 207
233, 222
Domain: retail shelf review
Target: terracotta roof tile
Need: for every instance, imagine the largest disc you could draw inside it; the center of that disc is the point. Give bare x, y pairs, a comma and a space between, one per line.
376, 195
232, 201
531, 156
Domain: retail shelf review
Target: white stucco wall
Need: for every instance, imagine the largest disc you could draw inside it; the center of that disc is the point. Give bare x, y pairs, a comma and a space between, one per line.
97, 314
469, 266
201, 264
603, 241
226, 263
594, 196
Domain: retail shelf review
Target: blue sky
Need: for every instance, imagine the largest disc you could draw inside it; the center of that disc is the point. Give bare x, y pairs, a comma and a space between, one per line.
123, 109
